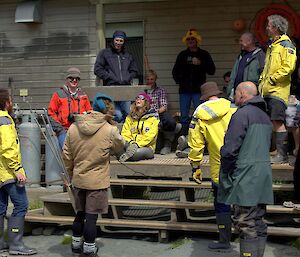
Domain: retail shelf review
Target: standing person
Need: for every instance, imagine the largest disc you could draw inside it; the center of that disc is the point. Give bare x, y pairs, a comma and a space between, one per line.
13, 179
86, 155
249, 64
189, 72
66, 102
275, 81
140, 130
115, 66
226, 79
208, 126
160, 104
246, 173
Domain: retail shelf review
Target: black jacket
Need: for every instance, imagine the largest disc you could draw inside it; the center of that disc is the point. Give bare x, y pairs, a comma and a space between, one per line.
190, 77
115, 68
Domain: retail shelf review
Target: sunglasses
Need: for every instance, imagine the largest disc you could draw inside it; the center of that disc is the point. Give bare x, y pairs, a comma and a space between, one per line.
73, 79
190, 38
140, 97
119, 40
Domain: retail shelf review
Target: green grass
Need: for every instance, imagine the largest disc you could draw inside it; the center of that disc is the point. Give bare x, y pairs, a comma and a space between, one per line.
67, 240
179, 242
35, 204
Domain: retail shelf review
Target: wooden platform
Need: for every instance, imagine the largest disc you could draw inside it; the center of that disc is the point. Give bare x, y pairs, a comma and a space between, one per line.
158, 195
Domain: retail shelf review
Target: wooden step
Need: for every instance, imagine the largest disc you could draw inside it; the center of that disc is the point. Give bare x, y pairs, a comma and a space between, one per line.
38, 217
64, 198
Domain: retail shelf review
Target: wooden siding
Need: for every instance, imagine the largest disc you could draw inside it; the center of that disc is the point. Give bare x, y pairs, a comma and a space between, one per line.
36, 56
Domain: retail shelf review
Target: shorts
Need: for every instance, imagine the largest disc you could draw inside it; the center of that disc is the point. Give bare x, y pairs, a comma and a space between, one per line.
275, 109
91, 201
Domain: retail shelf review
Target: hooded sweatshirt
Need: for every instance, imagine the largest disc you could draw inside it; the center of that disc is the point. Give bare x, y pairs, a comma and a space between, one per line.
86, 152
208, 126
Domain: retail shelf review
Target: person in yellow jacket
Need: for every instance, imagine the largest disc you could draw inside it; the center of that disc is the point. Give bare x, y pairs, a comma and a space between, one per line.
207, 128
140, 130
12, 181
275, 80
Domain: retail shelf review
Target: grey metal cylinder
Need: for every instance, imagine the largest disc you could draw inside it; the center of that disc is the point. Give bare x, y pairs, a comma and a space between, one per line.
30, 144
52, 167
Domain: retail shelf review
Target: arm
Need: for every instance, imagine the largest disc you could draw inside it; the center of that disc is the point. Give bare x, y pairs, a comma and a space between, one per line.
132, 69
67, 155
196, 142
126, 133
288, 63
10, 151
210, 65
118, 142
233, 141
100, 68
53, 110
176, 72
144, 139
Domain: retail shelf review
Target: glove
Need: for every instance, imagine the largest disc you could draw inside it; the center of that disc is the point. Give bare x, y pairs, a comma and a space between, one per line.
197, 175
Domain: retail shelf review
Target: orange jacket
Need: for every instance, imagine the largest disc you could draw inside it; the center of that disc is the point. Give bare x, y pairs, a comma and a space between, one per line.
63, 103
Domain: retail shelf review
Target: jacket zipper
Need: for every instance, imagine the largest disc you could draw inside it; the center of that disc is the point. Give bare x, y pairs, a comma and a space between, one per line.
119, 61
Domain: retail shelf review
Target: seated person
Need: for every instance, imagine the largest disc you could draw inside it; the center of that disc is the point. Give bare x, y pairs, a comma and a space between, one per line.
160, 104
65, 103
140, 130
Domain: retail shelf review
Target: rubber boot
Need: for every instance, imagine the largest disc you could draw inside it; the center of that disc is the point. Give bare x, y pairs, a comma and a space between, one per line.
282, 148
15, 236
249, 247
3, 243
224, 227
261, 246
182, 143
184, 153
168, 139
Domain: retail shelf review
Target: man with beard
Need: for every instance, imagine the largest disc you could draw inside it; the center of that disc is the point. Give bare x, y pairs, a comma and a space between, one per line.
115, 66
13, 179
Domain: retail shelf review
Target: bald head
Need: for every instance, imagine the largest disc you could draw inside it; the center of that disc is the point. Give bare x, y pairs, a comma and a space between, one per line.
244, 92
247, 42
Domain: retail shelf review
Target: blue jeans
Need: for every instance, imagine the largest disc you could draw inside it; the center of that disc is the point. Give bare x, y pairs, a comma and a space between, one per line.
122, 110
185, 101
17, 196
61, 139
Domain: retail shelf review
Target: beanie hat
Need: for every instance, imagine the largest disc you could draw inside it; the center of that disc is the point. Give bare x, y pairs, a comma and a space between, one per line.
73, 72
209, 89
98, 103
119, 34
194, 34
146, 97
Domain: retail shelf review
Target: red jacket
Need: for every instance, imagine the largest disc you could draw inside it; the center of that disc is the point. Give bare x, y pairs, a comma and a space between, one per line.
62, 104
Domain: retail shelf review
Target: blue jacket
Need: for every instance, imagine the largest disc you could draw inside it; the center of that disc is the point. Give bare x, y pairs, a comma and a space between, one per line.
246, 173
115, 68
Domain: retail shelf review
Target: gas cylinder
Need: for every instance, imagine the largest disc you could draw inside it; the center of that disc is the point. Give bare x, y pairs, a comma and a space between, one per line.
52, 168
30, 144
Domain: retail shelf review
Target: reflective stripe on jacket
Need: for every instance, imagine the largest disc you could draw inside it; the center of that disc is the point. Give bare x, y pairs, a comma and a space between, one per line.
208, 127
275, 80
143, 131
10, 155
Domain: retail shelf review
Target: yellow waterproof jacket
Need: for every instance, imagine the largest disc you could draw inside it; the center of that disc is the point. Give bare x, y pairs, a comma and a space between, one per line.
143, 131
275, 80
10, 156
208, 127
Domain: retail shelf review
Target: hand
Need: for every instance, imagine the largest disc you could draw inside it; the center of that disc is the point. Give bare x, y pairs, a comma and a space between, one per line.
197, 175
293, 100
196, 61
21, 179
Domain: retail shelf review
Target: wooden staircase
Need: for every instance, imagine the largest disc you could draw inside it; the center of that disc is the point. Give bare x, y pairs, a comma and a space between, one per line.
158, 196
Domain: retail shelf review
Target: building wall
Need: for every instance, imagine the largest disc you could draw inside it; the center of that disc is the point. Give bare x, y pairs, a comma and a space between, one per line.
35, 56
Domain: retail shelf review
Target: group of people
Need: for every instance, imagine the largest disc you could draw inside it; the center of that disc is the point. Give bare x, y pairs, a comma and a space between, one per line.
237, 137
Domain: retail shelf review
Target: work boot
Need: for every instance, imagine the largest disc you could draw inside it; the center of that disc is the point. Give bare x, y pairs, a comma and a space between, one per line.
183, 154
224, 227
15, 236
3, 243
89, 250
76, 245
169, 137
261, 246
282, 148
130, 151
248, 247
182, 143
